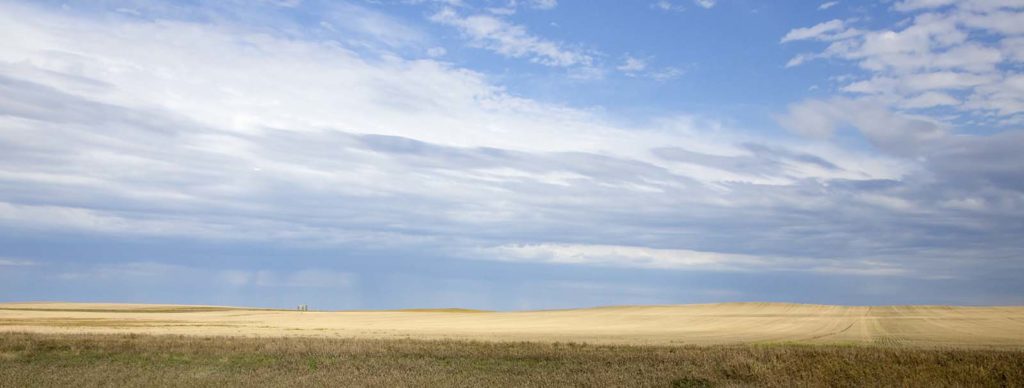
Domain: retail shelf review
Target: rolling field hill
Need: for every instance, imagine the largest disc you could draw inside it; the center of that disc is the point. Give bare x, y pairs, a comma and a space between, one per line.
709, 324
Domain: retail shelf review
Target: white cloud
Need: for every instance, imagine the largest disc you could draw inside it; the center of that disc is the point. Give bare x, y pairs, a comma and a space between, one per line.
436, 52
286, 3
543, 4
914, 5
627, 256
706, 4
818, 31
799, 60
919, 82
895, 133
8, 262
639, 67
668, 73
232, 104
827, 5
957, 54
511, 40
667, 5
643, 257
930, 99
999, 21
1003, 97
1013, 48
219, 130
512, 6
632, 65
357, 24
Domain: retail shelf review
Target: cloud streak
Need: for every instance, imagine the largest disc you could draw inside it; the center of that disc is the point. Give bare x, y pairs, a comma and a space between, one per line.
511, 40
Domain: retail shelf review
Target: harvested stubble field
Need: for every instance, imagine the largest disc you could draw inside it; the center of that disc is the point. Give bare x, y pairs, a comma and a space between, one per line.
711, 324
761, 344
144, 360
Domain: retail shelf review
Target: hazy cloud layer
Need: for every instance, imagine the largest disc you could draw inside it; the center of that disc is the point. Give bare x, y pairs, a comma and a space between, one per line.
226, 131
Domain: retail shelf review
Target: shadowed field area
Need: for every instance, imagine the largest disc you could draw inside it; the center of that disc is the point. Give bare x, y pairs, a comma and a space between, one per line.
141, 360
712, 324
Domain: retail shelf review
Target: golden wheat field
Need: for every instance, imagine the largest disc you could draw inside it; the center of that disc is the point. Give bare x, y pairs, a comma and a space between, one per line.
707, 324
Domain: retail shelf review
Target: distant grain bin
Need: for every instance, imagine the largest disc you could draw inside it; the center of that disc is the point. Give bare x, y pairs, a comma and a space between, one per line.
303, 307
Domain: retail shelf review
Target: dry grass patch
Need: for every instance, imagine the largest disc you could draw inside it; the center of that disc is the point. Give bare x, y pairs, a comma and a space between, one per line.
139, 360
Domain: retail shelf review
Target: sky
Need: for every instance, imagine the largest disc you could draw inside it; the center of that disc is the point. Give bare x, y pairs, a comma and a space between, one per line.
512, 154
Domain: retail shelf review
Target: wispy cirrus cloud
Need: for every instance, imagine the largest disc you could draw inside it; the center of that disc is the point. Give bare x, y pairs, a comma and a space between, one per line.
496, 34
820, 31
11, 262
640, 67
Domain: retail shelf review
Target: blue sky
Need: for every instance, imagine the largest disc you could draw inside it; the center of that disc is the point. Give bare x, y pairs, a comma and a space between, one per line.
512, 154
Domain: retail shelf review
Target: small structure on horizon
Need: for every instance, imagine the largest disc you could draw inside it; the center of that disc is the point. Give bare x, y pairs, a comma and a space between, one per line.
303, 307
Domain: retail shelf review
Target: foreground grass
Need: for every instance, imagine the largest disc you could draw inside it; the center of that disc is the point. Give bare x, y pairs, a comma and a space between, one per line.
137, 360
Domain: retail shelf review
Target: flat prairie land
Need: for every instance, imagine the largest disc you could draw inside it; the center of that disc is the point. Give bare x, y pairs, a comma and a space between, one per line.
673, 325
132, 360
